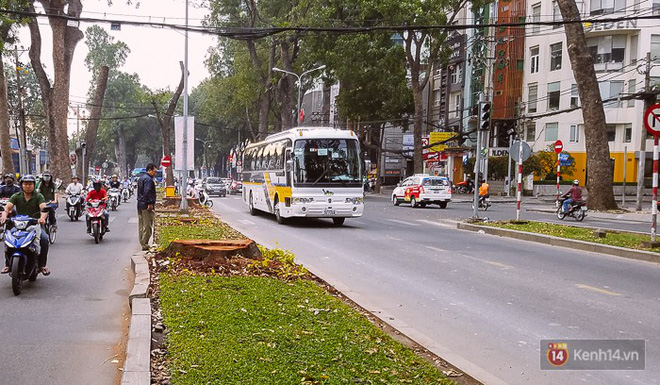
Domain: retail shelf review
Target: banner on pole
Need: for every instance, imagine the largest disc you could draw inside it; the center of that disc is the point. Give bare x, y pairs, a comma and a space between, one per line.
178, 140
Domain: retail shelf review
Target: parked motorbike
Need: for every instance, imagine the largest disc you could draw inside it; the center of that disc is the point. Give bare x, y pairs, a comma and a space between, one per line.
204, 198
3, 227
577, 210
125, 194
114, 198
95, 215
465, 187
74, 206
21, 242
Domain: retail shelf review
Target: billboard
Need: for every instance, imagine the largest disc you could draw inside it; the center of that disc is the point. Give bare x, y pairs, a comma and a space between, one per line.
178, 139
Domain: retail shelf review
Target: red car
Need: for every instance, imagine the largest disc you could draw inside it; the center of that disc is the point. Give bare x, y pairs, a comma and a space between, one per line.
235, 187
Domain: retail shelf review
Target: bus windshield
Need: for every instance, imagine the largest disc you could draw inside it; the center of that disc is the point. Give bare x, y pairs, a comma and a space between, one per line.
326, 162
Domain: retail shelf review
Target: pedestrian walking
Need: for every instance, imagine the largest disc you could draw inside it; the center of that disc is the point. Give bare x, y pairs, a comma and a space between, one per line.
146, 201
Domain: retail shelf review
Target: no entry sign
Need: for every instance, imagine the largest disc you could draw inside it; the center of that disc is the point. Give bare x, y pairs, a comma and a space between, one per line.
652, 120
166, 161
559, 146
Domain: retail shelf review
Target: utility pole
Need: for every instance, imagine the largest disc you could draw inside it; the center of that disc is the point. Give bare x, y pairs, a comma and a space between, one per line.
24, 165
649, 100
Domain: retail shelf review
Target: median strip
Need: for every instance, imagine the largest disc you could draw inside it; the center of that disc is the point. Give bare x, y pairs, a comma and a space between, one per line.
564, 236
265, 319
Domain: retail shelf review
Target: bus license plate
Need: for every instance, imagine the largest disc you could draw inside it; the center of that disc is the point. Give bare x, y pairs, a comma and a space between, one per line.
329, 212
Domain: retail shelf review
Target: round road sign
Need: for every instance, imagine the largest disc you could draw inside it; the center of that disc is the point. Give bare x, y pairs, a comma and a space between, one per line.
652, 120
166, 161
559, 146
514, 151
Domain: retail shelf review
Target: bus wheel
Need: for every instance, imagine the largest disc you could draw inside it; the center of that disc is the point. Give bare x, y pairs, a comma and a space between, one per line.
278, 215
338, 221
253, 211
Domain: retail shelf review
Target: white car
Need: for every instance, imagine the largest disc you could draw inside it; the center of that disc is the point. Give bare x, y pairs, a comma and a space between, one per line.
423, 189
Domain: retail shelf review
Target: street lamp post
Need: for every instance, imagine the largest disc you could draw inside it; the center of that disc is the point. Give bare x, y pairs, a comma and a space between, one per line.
299, 77
184, 165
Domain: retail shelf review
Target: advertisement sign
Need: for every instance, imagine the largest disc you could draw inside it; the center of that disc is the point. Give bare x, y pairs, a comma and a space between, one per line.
439, 137
178, 140
408, 145
427, 154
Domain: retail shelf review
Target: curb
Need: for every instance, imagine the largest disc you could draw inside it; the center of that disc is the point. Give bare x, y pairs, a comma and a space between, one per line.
137, 367
563, 242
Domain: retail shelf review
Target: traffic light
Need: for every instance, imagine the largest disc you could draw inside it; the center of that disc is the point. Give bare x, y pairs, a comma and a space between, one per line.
484, 117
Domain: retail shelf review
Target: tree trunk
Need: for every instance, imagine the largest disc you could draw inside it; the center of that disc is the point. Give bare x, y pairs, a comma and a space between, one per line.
94, 117
325, 112
55, 97
165, 122
5, 138
599, 172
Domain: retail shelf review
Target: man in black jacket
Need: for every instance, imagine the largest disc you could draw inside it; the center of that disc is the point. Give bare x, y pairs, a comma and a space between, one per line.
146, 200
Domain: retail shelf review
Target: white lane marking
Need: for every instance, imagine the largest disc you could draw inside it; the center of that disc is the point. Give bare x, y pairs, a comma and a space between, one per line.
441, 224
436, 249
247, 222
403, 222
112, 219
392, 238
596, 289
500, 265
133, 220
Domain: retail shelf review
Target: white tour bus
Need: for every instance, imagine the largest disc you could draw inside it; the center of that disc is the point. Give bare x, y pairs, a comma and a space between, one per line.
313, 172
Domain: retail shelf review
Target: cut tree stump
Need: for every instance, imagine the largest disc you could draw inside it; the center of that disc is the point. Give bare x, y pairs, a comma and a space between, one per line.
210, 249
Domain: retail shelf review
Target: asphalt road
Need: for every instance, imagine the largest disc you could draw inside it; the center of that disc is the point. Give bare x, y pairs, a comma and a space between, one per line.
479, 301
65, 328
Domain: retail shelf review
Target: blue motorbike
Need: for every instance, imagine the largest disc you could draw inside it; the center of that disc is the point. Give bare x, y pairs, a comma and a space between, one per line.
21, 241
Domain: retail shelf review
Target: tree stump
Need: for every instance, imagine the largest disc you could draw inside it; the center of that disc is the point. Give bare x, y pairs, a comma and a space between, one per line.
209, 249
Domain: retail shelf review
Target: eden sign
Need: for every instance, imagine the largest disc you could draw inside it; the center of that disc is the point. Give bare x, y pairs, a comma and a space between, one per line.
609, 25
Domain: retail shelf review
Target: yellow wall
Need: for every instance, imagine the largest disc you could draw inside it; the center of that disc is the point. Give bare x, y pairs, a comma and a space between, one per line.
581, 166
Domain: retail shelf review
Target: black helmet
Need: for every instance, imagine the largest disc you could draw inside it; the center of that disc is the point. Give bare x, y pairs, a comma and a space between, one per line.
28, 178
97, 185
10, 176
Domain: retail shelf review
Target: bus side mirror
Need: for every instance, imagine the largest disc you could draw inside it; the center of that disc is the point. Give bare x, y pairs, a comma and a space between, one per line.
289, 165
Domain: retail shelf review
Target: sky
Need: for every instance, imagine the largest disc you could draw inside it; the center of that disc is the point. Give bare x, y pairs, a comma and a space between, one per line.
155, 52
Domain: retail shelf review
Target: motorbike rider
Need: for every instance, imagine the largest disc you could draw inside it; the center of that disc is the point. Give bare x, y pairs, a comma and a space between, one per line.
114, 182
484, 191
9, 187
574, 195
126, 184
98, 193
75, 187
33, 204
47, 189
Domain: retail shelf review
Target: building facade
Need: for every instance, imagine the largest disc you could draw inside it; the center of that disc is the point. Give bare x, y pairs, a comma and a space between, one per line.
619, 50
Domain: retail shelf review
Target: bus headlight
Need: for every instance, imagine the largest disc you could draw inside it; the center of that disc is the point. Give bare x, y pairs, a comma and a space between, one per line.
302, 200
355, 201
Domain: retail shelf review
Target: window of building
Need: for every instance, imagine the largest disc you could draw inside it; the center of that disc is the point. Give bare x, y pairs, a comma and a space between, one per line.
553, 96
611, 132
656, 7
655, 47
575, 96
534, 59
555, 57
574, 134
436, 97
530, 136
532, 98
536, 17
633, 49
606, 49
456, 74
609, 90
556, 14
599, 7
632, 88
457, 103
551, 132
627, 133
